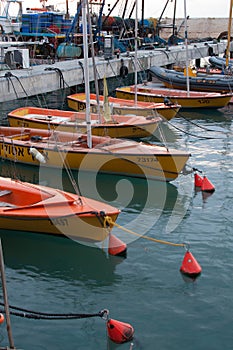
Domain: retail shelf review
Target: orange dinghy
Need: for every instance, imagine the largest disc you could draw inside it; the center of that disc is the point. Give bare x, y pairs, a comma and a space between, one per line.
122, 106
29, 207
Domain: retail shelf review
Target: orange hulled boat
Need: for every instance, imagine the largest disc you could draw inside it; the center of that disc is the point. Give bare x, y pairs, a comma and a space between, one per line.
35, 208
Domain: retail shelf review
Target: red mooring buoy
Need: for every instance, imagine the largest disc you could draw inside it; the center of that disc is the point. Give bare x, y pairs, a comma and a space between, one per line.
207, 186
190, 266
198, 180
116, 246
2, 318
119, 332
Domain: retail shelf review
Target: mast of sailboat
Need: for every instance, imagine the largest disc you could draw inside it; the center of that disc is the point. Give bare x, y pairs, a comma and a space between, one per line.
135, 54
94, 65
86, 72
174, 19
67, 15
229, 34
142, 18
186, 49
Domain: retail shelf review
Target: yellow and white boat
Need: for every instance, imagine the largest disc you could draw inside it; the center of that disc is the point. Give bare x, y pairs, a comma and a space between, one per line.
105, 154
121, 126
150, 92
121, 106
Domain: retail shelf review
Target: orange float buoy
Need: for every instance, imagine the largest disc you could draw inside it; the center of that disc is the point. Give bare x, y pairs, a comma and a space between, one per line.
190, 266
119, 332
2, 318
198, 180
207, 186
116, 246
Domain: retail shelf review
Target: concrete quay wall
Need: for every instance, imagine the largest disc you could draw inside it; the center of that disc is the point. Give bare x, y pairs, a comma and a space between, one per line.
43, 79
197, 28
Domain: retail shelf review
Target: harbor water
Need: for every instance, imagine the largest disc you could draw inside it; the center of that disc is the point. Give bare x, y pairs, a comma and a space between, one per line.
145, 289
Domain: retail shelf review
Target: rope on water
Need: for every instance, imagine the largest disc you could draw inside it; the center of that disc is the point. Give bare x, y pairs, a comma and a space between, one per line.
195, 124
108, 221
51, 316
194, 135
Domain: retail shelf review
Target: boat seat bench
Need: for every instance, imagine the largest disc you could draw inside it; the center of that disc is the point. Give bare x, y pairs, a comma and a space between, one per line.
5, 204
4, 192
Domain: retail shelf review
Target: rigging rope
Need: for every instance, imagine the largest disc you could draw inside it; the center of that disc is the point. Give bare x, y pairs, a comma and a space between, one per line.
116, 75
68, 170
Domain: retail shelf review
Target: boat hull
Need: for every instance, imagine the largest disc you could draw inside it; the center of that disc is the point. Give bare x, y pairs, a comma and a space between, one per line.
77, 103
178, 80
126, 158
193, 101
88, 230
120, 127
40, 209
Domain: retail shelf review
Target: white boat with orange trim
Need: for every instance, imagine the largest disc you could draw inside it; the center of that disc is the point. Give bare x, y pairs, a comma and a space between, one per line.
116, 126
151, 92
106, 155
40, 209
121, 106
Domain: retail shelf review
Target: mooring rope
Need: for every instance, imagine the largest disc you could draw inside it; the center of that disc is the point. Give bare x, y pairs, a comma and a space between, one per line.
108, 221
197, 125
21, 312
9, 77
62, 80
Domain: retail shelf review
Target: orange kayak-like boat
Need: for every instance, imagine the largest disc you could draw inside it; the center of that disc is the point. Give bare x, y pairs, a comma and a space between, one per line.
36, 208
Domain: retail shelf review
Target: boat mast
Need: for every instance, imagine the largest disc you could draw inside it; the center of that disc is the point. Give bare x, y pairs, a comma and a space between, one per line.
94, 65
86, 71
229, 35
186, 49
136, 50
174, 20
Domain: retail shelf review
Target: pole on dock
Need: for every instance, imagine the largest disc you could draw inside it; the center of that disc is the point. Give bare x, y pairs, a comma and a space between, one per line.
6, 305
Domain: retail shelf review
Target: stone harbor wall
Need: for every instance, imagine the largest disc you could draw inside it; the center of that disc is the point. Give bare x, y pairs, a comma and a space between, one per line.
198, 28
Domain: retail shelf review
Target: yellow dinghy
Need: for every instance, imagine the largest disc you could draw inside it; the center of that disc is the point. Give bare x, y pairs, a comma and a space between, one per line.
194, 99
121, 106
117, 126
106, 155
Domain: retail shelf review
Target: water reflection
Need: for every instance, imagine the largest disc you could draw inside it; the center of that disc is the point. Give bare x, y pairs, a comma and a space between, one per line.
56, 257
143, 203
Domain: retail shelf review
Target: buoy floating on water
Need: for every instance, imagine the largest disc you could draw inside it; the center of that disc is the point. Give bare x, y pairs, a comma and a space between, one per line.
207, 186
116, 246
198, 180
2, 318
119, 332
190, 267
